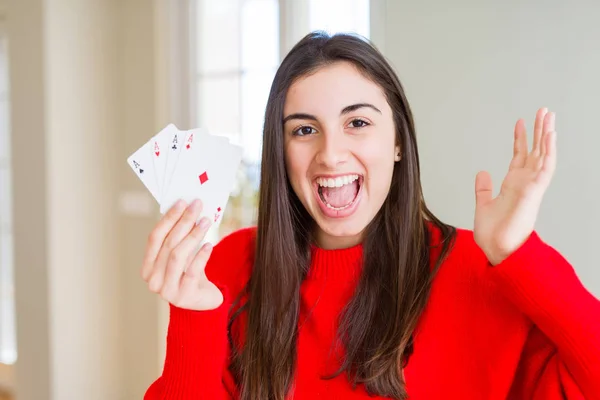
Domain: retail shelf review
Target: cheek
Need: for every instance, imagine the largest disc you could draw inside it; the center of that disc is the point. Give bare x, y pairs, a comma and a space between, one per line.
379, 163
380, 173
294, 167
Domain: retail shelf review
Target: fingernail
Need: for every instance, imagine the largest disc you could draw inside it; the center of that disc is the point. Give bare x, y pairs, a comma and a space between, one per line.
208, 247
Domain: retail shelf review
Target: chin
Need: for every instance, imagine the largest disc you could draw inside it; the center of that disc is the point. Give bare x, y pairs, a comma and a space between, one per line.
342, 229
345, 233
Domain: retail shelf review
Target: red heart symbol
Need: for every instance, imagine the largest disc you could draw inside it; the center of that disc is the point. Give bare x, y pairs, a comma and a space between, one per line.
187, 146
157, 153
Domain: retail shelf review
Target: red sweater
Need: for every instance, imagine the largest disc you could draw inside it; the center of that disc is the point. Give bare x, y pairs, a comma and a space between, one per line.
524, 329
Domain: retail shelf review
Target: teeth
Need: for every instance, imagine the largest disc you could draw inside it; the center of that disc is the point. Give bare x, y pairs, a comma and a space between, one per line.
337, 182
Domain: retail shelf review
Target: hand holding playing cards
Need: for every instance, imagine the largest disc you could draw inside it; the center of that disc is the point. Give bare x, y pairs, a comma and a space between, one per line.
172, 265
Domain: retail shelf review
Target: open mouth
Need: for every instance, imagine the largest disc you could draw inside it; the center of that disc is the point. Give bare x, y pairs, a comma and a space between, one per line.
339, 193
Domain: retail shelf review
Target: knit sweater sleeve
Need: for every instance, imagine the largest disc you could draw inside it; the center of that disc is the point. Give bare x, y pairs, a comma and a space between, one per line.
562, 354
195, 364
541, 373
197, 354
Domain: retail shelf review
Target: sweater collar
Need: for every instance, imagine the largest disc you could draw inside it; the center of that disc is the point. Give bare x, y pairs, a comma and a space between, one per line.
339, 263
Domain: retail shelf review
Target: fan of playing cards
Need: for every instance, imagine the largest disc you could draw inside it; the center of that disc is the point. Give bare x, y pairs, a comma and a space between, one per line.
188, 165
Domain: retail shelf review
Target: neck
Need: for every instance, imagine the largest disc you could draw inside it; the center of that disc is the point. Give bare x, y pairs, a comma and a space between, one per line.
327, 241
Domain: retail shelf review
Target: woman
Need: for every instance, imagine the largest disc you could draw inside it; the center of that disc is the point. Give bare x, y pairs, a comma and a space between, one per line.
349, 286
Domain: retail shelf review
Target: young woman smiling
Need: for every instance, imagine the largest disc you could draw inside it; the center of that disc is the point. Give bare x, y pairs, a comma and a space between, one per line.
349, 286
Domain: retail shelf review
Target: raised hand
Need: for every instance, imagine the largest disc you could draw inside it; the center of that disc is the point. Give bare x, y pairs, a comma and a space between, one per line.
503, 224
172, 265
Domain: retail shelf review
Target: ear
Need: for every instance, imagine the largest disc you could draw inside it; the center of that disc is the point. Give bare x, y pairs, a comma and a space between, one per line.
398, 154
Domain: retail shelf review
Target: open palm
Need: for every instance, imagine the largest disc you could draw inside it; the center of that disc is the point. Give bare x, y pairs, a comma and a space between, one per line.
502, 224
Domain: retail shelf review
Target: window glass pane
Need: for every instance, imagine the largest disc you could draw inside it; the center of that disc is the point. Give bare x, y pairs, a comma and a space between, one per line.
8, 340
219, 105
218, 35
255, 92
260, 38
340, 16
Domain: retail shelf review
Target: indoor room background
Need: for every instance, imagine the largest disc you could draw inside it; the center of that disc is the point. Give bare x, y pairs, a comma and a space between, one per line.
84, 83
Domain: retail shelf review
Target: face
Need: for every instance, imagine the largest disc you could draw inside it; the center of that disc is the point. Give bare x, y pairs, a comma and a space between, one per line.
340, 149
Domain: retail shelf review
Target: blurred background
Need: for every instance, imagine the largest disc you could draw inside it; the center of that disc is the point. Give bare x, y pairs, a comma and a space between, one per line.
84, 83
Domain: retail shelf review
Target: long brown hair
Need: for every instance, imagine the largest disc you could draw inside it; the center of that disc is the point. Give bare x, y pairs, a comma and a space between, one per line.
376, 326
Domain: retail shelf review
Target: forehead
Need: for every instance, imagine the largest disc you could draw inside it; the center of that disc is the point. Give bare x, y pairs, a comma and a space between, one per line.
331, 88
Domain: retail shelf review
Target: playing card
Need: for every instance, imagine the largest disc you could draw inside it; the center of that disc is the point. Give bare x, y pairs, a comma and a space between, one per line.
206, 170
176, 140
160, 151
188, 165
223, 162
142, 164
185, 178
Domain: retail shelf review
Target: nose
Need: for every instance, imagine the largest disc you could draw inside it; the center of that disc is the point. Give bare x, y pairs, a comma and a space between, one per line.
333, 149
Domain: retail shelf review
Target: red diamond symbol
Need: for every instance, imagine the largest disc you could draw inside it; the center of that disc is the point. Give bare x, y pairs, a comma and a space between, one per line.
203, 178
219, 209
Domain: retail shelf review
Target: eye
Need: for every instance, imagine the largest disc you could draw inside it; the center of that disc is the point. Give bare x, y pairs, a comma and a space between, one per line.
303, 131
358, 123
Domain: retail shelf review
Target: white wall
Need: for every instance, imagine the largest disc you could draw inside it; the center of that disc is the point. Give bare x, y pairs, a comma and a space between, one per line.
470, 70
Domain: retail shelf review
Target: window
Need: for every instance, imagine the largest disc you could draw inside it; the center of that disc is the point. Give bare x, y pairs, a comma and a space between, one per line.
8, 347
236, 48
340, 16
235, 52
236, 57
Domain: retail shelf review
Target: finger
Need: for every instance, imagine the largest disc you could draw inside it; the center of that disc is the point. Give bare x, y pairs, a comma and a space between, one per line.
538, 162
552, 122
483, 188
549, 162
538, 129
549, 124
183, 227
544, 143
196, 270
157, 237
180, 259
520, 146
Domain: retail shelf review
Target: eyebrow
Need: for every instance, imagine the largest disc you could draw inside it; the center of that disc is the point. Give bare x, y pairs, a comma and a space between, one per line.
346, 110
